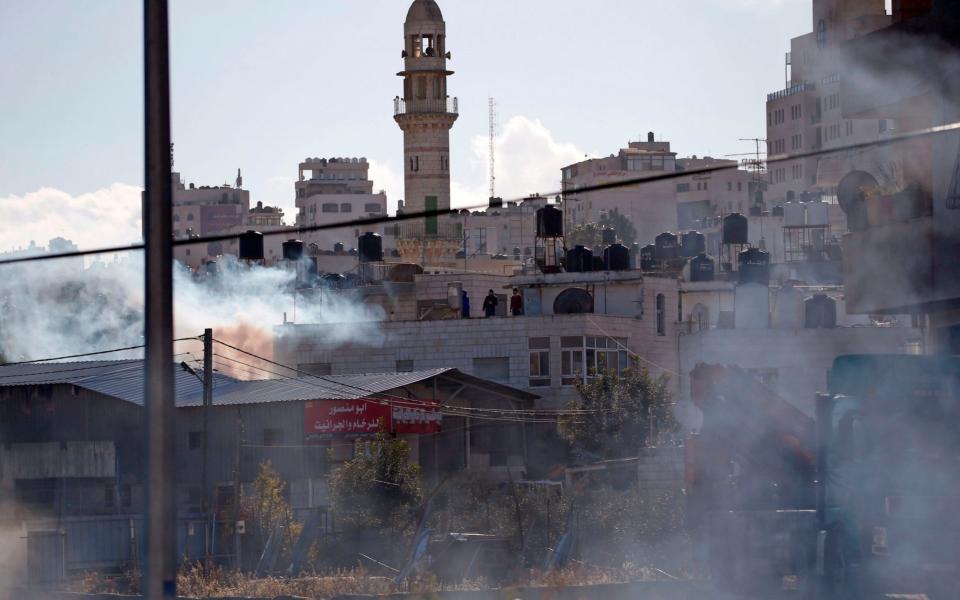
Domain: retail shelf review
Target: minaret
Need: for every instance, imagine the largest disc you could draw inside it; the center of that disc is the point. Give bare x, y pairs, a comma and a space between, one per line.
425, 113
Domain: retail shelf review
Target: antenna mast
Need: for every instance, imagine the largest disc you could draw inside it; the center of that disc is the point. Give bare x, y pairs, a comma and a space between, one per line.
493, 136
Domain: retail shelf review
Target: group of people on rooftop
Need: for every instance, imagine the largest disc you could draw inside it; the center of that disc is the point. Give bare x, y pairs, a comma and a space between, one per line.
490, 303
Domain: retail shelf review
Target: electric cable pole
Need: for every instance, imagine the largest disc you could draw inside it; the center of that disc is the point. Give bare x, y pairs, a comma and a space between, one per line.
207, 404
160, 566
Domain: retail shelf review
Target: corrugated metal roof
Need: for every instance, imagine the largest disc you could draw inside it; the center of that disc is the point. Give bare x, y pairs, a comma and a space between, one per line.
330, 387
124, 379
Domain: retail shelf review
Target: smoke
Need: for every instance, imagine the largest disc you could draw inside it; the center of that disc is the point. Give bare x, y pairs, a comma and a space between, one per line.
57, 308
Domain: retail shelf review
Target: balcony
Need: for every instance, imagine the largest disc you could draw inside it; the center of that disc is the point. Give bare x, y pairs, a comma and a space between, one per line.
447, 106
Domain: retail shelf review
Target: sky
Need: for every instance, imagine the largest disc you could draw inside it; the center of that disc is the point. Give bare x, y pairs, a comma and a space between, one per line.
261, 85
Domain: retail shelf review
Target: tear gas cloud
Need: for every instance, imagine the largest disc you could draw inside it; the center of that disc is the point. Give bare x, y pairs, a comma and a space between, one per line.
58, 308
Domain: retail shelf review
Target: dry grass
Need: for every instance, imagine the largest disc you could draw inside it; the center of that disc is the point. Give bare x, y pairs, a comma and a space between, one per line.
192, 582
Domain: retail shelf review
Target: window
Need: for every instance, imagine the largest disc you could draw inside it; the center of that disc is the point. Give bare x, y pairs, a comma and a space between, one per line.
821, 34
346, 207
404, 366
739, 186
849, 128
189, 216
315, 369
497, 369
582, 357
683, 187
195, 440
272, 437
371, 207
109, 496
539, 362
661, 315
330, 207
126, 495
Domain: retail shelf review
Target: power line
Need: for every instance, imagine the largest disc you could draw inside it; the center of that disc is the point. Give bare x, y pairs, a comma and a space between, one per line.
538, 416
97, 353
929, 131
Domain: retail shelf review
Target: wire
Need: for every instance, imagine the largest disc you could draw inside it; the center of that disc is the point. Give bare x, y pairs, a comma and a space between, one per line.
535, 412
936, 130
97, 353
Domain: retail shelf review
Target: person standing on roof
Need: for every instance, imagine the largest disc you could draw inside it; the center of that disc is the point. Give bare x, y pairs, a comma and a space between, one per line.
465, 305
516, 303
490, 304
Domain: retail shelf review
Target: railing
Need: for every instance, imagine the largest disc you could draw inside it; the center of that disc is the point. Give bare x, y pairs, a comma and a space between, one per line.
430, 230
425, 107
794, 89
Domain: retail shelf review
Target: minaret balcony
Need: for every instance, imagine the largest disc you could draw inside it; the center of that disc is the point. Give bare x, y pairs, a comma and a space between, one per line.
425, 107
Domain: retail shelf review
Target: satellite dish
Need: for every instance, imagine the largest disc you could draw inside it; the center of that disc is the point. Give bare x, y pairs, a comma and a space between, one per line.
573, 301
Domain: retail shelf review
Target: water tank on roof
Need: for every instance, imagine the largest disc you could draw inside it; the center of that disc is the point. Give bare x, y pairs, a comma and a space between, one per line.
777, 211
370, 246
754, 266
666, 246
573, 301
292, 250
820, 311
549, 222
648, 257
818, 214
788, 308
251, 245
579, 259
794, 214
702, 268
616, 257
735, 229
334, 280
608, 236
692, 243
338, 248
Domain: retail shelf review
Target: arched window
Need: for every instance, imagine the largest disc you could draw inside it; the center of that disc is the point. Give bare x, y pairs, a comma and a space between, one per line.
661, 315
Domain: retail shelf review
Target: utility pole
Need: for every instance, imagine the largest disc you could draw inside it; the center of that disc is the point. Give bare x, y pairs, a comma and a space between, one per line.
160, 566
236, 492
207, 403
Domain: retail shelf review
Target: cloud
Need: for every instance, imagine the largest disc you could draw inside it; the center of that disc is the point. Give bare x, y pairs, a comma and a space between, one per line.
528, 161
108, 216
386, 178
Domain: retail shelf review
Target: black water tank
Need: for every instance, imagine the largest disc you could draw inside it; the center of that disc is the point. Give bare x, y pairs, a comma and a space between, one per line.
338, 248
251, 245
579, 260
754, 266
777, 210
735, 229
666, 246
648, 257
292, 250
616, 258
371, 247
702, 268
692, 243
820, 312
609, 236
549, 222
335, 280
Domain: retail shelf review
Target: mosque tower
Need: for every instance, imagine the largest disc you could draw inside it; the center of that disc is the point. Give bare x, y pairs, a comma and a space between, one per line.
425, 114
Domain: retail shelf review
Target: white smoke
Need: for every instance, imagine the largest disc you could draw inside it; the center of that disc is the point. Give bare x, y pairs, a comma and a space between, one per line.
56, 308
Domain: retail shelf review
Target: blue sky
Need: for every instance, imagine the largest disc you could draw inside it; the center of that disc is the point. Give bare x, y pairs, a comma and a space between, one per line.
261, 85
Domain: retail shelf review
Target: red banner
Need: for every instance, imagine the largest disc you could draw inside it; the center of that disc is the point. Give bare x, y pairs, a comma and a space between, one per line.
323, 419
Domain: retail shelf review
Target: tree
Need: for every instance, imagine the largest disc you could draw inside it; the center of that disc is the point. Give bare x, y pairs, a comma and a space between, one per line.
617, 413
591, 234
378, 488
269, 509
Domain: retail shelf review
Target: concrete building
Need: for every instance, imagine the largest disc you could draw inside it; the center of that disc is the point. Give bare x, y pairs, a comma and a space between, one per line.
425, 114
334, 190
558, 339
900, 253
205, 210
807, 114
